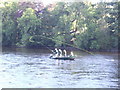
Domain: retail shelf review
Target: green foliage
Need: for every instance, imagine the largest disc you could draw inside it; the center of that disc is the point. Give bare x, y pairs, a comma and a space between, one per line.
27, 25
9, 24
87, 26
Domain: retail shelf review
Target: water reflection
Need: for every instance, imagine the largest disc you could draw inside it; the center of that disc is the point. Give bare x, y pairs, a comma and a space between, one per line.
32, 68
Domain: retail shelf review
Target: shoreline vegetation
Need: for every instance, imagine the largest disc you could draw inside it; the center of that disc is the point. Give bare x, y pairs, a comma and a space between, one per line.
66, 48
92, 27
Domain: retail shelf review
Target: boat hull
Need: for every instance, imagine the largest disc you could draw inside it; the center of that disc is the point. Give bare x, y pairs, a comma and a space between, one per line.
64, 58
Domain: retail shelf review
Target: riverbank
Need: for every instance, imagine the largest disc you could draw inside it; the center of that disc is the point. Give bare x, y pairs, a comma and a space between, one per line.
67, 48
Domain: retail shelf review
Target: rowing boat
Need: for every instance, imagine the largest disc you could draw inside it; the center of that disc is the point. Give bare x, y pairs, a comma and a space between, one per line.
63, 58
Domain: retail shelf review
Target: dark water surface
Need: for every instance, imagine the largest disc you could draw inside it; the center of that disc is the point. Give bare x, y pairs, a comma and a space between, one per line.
32, 68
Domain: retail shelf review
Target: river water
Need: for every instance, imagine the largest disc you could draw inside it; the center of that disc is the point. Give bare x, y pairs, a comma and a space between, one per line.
32, 68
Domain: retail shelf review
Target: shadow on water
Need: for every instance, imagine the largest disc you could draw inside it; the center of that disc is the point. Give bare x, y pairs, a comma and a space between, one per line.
32, 68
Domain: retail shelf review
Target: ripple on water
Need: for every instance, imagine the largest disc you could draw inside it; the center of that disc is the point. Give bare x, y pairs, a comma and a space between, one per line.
37, 70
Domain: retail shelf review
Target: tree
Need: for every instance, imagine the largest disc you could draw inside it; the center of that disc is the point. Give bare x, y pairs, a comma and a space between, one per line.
9, 24
27, 24
83, 25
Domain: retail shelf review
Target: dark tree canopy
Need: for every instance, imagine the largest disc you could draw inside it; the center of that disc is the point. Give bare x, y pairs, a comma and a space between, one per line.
83, 25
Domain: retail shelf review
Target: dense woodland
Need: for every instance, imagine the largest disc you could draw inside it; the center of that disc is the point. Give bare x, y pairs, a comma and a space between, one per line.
82, 25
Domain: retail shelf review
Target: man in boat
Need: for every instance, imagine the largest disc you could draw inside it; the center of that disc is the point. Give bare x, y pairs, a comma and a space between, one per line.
65, 52
56, 53
60, 53
71, 55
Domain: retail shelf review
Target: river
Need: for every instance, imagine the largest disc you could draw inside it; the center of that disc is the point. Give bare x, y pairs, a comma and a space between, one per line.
32, 68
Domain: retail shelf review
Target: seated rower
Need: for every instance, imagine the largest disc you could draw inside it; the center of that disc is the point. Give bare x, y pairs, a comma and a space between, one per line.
71, 54
65, 52
60, 53
55, 53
